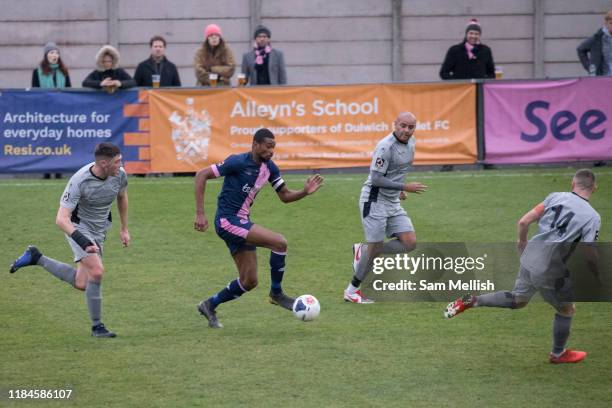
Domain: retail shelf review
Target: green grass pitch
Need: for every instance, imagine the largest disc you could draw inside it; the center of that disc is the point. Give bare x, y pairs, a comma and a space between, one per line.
387, 354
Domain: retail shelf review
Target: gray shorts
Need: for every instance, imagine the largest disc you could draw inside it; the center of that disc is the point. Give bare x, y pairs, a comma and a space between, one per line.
381, 219
557, 294
79, 253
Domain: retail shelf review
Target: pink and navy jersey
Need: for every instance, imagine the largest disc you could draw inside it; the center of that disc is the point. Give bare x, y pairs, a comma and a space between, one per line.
243, 180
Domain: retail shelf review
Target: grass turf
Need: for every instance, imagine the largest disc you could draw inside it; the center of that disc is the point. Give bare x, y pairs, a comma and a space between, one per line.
387, 354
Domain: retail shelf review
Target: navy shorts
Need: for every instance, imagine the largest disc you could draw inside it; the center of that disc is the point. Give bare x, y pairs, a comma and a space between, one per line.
234, 230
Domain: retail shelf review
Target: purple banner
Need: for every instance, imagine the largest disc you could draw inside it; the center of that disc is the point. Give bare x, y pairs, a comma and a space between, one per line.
548, 121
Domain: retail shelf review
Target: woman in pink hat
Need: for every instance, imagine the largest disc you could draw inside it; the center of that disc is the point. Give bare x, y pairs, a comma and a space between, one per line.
214, 57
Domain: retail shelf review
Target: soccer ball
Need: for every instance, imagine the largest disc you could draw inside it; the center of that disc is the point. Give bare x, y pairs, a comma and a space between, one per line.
306, 308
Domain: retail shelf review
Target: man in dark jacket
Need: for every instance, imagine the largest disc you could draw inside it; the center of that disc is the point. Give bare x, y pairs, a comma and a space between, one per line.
595, 52
469, 59
157, 64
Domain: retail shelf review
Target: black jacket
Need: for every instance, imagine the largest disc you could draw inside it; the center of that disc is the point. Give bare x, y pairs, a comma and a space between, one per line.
167, 70
457, 65
590, 51
94, 79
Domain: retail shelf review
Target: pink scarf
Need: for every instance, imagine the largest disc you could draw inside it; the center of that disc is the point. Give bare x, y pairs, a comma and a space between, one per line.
469, 47
259, 59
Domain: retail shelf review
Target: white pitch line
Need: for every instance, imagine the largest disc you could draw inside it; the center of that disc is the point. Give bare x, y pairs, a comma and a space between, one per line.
329, 178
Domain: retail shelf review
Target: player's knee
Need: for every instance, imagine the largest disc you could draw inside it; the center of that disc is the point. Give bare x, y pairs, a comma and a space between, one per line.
96, 274
249, 283
409, 242
281, 244
567, 310
80, 279
80, 285
409, 245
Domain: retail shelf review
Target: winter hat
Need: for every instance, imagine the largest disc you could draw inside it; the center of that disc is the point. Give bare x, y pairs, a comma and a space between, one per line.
473, 25
262, 29
212, 29
50, 46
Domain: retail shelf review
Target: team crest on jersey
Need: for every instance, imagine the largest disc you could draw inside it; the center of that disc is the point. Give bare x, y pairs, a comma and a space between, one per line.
380, 162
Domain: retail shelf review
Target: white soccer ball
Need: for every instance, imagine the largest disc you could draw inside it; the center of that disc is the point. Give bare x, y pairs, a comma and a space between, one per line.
306, 308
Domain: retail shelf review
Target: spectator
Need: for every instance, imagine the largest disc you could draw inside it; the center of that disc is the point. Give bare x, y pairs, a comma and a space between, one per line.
264, 65
469, 59
214, 57
595, 52
157, 64
107, 74
51, 73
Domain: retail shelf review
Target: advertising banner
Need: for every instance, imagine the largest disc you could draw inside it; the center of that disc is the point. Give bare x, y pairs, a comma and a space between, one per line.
51, 131
548, 121
315, 127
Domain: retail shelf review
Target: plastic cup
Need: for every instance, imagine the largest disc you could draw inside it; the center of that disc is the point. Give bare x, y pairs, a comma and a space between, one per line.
241, 79
499, 72
212, 79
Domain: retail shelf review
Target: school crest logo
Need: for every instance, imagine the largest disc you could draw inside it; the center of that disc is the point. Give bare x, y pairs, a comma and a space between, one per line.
191, 133
379, 163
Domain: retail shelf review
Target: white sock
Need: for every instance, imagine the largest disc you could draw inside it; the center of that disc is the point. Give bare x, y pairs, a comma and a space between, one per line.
558, 355
351, 289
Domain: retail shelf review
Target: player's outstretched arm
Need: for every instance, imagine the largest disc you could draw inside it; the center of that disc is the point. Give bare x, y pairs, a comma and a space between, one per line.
62, 220
312, 184
523, 224
379, 180
202, 176
122, 205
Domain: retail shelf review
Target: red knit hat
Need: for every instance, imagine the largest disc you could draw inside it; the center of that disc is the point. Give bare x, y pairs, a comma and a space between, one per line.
212, 29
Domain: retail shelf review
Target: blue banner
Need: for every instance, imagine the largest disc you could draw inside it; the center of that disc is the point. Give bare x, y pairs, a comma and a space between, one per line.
52, 131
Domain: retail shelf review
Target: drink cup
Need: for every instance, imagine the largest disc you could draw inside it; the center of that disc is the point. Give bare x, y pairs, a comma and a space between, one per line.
155, 78
499, 72
212, 78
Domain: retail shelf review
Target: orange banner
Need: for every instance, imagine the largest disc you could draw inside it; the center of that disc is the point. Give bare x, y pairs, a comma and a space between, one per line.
315, 127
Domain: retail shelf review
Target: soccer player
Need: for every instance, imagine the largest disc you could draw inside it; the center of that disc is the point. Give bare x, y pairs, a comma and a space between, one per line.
84, 215
381, 212
564, 218
245, 174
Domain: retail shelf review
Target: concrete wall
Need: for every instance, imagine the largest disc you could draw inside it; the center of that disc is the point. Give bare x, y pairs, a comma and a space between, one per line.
324, 41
